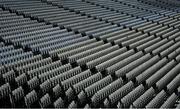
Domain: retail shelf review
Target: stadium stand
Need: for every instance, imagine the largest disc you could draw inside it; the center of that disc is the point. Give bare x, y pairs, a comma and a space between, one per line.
90, 54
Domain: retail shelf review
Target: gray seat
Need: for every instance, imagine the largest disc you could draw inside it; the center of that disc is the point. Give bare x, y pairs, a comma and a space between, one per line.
169, 103
114, 97
157, 101
92, 89
99, 96
59, 103
144, 99
31, 99
18, 97
73, 91
45, 101
127, 100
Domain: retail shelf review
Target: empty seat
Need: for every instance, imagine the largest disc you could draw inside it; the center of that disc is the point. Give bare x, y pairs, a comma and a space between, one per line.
174, 35
73, 80
9, 76
178, 58
5, 90
168, 77
150, 30
140, 42
125, 61
160, 73
104, 58
150, 71
31, 99
45, 101
25, 62
158, 29
60, 45
177, 39
101, 33
65, 53
88, 52
96, 26
33, 83
16, 58
99, 96
66, 75
144, 99
96, 55
57, 91
53, 72
11, 53
174, 54
71, 47
123, 71
149, 43
155, 45
118, 38
59, 103
34, 65
138, 70
18, 97
127, 100
147, 26
87, 106
140, 25
170, 33
169, 103
114, 60
163, 47
73, 104
6, 48
133, 38
2, 70
160, 33
77, 88
158, 100
45, 86
171, 49
21, 79
46, 68
118, 94
92, 89
127, 36
174, 84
